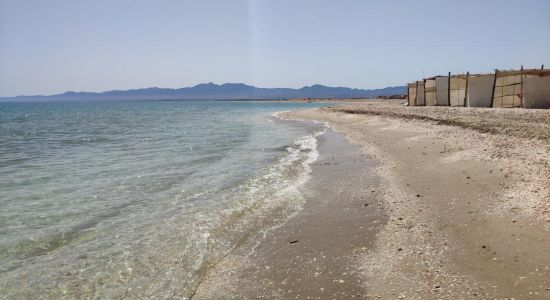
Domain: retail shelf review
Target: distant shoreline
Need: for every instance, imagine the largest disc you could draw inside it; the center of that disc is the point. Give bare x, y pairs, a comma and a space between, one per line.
211, 91
293, 100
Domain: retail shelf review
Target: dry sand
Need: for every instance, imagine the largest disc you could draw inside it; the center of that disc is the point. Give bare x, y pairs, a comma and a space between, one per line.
460, 210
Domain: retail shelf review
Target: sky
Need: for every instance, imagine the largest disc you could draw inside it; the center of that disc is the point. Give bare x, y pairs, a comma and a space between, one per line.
49, 47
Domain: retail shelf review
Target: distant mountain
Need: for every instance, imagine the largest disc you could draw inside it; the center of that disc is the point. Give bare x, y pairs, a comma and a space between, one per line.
226, 91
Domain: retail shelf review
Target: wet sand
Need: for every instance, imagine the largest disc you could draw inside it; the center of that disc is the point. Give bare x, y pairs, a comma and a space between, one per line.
315, 254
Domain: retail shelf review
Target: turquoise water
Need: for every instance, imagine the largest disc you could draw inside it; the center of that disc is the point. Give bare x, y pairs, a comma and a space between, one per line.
114, 199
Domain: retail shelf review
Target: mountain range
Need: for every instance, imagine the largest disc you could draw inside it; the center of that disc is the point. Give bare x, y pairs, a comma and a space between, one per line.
211, 91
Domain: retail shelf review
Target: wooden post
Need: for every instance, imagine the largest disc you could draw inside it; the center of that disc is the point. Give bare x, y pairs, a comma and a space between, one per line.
466, 89
425, 92
409, 94
435, 91
449, 90
416, 93
521, 103
494, 87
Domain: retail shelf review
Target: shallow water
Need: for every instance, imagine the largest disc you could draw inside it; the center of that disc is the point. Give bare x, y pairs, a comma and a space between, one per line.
114, 199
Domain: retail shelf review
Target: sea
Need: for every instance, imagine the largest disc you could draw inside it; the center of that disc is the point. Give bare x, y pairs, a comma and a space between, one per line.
140, 199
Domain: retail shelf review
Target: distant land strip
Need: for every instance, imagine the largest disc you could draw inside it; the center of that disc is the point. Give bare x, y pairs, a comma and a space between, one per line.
211, 91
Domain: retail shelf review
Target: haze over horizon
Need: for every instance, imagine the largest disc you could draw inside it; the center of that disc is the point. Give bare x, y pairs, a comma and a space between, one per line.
49, 48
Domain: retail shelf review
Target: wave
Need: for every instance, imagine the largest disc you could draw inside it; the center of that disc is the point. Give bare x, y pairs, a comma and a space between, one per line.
259, 205
176, 248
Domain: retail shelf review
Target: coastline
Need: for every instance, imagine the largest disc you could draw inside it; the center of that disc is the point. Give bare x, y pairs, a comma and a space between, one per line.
459, 210
469, 214
314, 254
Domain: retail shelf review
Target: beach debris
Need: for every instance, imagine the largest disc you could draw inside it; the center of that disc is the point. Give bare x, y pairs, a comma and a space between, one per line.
294, 241
417, 195
366, 204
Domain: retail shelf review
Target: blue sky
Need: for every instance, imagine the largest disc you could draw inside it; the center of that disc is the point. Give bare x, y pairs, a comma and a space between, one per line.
49, 47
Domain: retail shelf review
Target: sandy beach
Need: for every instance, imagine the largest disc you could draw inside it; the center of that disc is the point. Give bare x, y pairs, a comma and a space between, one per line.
313, 254
425, 203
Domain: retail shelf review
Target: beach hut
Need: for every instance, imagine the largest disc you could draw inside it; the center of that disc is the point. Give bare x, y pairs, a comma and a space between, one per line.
412, 93
536, 90
442, 90
527, 88
509, 88
420, 93
429, 91
457, 90
480, 90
